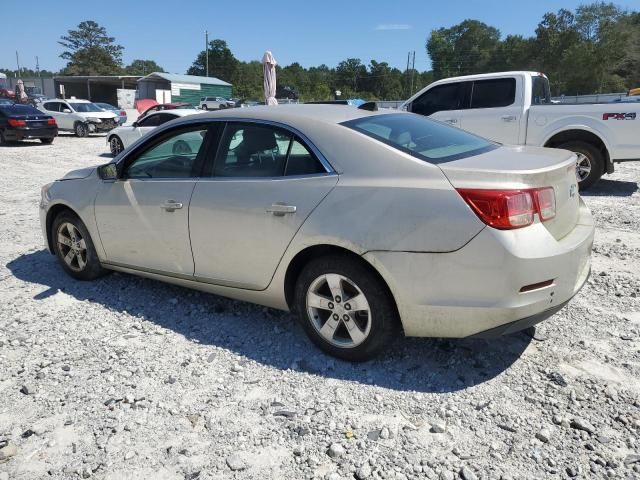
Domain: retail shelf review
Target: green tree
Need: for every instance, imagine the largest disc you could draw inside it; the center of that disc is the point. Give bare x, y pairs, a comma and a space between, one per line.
90, 51
222, 63
142, 67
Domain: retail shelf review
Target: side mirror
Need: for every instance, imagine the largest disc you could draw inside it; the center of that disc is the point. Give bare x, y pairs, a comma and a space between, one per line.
66, 110
134, 124
108, 171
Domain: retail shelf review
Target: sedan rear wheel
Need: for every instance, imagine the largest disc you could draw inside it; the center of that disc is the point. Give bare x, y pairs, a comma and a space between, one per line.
73, 246
345, 308
115, 145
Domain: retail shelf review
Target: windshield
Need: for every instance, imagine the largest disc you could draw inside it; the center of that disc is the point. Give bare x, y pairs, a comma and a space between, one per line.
421, 137
85, 107
105, 106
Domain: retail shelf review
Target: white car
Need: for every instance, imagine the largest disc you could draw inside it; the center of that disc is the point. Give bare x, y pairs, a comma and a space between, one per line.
215, 103
79, 116
516, 108
123, 136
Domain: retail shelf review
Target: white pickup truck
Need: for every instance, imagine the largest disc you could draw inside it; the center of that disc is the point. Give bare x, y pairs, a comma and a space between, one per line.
516, 108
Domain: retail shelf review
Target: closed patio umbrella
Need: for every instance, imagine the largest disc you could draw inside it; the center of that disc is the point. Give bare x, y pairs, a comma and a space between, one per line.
269, 68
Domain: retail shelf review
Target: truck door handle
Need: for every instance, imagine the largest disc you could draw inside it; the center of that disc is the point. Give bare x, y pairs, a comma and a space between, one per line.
452, 121
280, 209
508, 118
171, 205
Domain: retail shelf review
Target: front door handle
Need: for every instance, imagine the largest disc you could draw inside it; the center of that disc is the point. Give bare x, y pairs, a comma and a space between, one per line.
171, 205
508, 118
280, 209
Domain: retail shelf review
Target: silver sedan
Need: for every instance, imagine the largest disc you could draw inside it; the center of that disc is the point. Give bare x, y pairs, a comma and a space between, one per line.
365, 223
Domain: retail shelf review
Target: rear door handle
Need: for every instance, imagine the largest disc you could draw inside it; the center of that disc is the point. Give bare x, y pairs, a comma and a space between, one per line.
280, 209
508, 118
171, 205
452, 120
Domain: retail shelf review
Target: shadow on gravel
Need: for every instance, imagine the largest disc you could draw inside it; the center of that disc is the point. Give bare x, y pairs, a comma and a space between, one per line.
272, 338
613, 188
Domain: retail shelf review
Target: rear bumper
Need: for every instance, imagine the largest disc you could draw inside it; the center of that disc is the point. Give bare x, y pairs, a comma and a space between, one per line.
27, 133
477, 289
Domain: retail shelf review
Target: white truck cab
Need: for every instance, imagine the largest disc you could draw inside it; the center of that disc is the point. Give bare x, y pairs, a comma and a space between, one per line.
516, 108
79, 116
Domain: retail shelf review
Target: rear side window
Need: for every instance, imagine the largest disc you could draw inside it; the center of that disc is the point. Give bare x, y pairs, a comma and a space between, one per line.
451, 96
421, 137
540, 91
52, 106
498, 92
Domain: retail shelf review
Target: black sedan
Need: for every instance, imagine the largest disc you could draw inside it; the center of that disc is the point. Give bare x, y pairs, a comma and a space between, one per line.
22, 122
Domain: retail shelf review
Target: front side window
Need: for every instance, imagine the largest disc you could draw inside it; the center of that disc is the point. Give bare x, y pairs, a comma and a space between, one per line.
493, 93
150, 121
173, 157
451, 96
421, 137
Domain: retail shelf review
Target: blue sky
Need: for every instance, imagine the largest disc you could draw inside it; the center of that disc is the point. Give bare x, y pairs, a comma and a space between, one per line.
307, 32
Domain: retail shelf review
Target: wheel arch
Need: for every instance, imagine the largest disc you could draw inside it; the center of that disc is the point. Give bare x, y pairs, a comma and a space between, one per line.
304, 256
582, 135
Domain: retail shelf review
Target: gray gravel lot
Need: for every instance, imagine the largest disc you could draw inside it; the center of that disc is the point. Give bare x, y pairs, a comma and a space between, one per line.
126, 378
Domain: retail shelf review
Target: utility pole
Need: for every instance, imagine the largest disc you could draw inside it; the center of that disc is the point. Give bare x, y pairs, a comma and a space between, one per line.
206, 51
18, 62
406, 71
413, 71
37, 66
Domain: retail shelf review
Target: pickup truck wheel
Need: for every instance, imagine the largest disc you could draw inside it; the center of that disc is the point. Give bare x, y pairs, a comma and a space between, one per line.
590, 163
81, 130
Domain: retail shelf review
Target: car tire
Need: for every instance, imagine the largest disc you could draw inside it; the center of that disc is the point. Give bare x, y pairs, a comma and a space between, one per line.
336, 325
590, 164
204, 107
3, 140
74, 248
47, 141
221, 107
115, 145
81, 130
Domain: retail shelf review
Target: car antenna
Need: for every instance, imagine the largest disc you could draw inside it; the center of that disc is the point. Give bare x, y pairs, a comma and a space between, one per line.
369, 106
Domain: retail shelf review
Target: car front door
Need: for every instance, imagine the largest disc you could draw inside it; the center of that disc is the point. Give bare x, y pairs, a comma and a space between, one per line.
496, 109
446, 103
263, 184
143, 216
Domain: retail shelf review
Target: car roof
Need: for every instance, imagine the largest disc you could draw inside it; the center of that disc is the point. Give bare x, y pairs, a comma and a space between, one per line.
330, 114
73, 100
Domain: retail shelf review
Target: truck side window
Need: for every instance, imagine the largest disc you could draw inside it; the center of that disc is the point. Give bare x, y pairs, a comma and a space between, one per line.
451, 96
493, 93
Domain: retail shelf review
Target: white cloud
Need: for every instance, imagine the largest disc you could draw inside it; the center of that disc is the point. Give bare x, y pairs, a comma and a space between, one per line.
393, 26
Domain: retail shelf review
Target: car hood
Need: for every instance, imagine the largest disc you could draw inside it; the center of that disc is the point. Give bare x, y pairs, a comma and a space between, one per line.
78, 174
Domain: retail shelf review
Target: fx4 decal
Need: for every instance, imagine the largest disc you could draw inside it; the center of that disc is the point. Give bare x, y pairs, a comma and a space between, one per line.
619, 116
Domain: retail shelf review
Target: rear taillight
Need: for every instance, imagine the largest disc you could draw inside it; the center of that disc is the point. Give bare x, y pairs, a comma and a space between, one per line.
545, 202
16, 123
51, 121
509, 209
123, 113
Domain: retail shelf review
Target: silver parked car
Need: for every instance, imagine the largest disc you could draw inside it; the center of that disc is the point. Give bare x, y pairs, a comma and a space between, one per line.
365, 223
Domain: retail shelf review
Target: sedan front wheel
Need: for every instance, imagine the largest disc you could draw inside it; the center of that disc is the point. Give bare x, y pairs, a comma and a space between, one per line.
345, 308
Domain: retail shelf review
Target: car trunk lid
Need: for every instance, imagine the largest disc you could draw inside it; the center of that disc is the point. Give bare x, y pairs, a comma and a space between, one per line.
519, 168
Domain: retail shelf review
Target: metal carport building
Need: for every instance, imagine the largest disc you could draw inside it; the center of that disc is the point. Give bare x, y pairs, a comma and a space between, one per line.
170, 87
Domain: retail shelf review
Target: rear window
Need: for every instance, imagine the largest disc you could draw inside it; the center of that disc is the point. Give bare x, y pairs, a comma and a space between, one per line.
19, 110
498, 92
421, 137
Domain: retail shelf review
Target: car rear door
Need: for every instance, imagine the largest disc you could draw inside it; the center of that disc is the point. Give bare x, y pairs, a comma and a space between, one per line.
496, 109
143, 216
261, 187
446, 102
54, 109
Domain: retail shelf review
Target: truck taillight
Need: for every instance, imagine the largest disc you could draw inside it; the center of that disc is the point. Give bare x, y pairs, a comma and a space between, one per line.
16, 123
510, 209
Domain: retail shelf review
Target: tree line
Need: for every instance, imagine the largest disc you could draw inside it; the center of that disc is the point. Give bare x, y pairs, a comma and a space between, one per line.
594, 49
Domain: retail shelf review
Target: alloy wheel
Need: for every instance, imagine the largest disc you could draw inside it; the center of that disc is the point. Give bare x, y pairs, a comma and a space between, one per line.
583, 166
72, 246
339, 310
116, 145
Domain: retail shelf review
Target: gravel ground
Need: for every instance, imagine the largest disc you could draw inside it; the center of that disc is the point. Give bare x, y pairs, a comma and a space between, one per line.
126, 378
